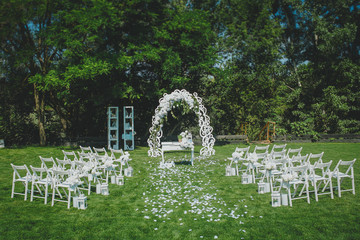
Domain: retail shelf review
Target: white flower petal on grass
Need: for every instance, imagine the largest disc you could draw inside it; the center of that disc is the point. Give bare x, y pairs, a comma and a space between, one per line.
146, 217
216, 237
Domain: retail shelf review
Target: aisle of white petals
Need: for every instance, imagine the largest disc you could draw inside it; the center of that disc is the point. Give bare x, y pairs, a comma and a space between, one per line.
192, 189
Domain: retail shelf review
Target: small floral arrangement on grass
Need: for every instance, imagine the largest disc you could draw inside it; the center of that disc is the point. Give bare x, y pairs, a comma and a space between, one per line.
186, 140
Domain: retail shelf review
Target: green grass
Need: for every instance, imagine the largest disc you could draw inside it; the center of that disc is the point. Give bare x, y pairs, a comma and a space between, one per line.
122, 214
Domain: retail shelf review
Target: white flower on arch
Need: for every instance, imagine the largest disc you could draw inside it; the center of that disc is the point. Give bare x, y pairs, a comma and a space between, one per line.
165, 105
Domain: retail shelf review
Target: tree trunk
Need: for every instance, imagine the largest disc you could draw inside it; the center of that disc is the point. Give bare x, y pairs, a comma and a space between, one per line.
62, 115
40, 112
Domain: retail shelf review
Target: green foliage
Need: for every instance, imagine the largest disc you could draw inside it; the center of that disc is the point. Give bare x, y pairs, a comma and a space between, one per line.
293, 62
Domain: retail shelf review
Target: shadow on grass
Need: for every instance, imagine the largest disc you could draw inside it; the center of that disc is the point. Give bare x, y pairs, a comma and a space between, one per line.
183, 163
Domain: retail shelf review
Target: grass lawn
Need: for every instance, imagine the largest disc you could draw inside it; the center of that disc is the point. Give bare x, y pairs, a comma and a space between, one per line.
185, 202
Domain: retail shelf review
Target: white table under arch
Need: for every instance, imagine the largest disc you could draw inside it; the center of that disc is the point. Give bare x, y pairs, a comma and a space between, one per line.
166, 103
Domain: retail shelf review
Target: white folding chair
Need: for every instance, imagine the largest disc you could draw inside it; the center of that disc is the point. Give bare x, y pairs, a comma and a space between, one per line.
261, 149
298, 160
300, 174
320, 174
48, 163
70, 156
245, 152
255, 163
64, 164
100, 151
277, 155
116, 154
41, 181
344, 170
80, 166
314, 158
23, 175
60, 183
87, 150
293, 152
117, 157
278, 148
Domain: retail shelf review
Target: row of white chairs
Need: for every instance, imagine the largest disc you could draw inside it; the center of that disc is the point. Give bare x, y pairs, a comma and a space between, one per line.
68, 175
301, 170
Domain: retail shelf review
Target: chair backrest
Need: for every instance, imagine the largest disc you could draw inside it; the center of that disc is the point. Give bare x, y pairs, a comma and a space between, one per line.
79, 165
69, 155
298, 160
100, 159
277, 155
38, 173
261, 157
314, 158
48, 163
116, 154
278, 148
261, 149
345, 167
244, 150
86, 149
64, 164
281, 163
21, 172
100, 151
301, 171
293, 152
86, 158
59, 176
321, 169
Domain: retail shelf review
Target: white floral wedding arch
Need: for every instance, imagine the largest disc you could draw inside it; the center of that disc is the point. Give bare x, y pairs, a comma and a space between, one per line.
193, 102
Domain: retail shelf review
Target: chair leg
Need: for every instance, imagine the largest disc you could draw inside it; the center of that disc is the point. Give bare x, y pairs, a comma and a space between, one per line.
53, 197
316, 193
69, 199
307, 192
89, 190
289, 195
353, 185
26, 190
331, 189
339, 189
13, 190
46, 193
32, 192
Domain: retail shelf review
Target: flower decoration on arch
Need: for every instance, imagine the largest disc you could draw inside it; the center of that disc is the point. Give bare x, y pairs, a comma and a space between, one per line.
190, 102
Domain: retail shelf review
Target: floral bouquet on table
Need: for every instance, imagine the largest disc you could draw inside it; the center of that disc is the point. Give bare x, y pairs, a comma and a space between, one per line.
186, 140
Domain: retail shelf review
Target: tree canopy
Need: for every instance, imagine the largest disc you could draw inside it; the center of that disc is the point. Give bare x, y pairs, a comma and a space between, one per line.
63, 63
